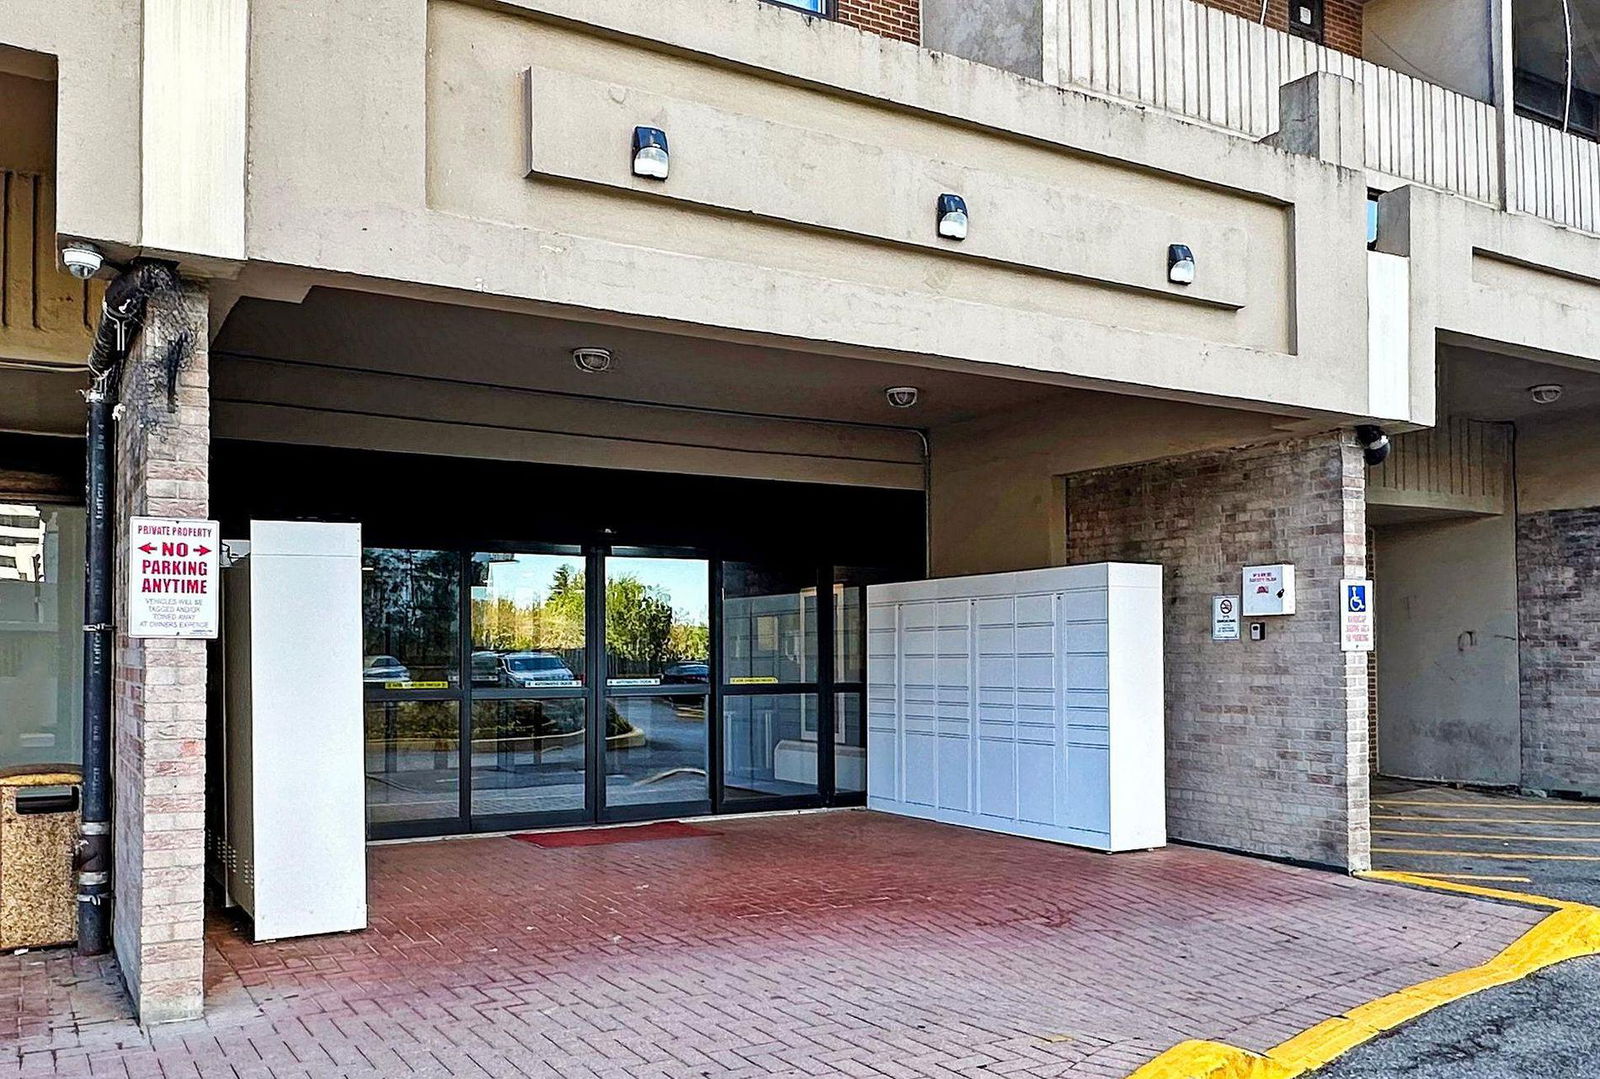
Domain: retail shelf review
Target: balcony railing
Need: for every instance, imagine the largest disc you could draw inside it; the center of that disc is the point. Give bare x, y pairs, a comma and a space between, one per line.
1217, 68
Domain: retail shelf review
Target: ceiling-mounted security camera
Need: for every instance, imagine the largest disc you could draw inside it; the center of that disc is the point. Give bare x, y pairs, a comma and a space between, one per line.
592, 360
901, 396
82, 260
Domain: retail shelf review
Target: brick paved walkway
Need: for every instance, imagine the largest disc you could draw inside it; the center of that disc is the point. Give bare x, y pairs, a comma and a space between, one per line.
846, 944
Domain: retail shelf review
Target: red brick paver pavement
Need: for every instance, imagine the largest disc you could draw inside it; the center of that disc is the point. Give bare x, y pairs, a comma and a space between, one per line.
848, 944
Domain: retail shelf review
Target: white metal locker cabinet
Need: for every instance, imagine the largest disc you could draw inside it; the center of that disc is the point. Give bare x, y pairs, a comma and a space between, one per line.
1029, 703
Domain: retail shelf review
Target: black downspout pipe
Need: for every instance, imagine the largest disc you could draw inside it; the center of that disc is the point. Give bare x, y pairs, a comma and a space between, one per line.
122, 315
94, 853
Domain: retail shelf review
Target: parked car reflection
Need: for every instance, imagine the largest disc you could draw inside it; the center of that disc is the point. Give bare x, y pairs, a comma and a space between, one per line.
522, 670
384, 669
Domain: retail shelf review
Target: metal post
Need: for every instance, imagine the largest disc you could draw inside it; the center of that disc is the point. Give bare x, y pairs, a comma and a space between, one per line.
94, 847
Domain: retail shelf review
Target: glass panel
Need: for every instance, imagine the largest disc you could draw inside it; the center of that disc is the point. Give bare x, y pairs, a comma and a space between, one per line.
849, 743
528, 756
769, 624
527, 621
41, 634
657, 625
769, 745
655, 750
849, 654
411, 618
413, 760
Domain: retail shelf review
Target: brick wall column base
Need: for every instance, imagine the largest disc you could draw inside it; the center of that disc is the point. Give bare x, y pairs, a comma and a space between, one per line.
159, 698
1266, 740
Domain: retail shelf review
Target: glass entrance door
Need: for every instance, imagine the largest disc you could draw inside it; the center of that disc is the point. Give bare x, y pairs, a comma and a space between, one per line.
529, 674
657, 681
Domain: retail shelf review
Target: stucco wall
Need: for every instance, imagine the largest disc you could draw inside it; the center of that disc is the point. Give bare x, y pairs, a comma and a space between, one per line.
1006, 33
1266, 740
1447, 650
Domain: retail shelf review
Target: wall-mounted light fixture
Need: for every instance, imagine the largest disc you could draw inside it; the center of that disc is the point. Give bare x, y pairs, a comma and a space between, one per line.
650, 157
952, 217
1180, 264
592, 360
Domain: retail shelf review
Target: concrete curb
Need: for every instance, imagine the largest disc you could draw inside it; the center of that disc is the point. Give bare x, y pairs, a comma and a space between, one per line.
1571, 931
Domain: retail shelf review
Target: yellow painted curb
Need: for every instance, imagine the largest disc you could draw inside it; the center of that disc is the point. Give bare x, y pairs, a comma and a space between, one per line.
1570, 931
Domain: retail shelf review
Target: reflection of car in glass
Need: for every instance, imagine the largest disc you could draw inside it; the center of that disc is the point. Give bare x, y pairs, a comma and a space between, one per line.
523, 669
486, 668
384, 669
692, 672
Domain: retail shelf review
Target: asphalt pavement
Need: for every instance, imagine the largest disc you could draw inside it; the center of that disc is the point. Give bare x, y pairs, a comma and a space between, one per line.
1547, 1025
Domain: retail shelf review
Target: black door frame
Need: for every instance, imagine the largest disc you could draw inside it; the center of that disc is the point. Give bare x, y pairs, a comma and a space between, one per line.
595, 693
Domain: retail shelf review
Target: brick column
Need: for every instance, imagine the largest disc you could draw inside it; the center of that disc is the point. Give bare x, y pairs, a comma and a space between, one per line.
1266, 741
159, 699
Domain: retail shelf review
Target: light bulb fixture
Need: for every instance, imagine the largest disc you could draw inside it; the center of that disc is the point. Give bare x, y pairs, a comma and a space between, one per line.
650, 157
592, 360
952, 217
1180, 264
1547, 393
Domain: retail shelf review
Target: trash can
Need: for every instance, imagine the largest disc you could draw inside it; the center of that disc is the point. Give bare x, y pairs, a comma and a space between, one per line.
38, 834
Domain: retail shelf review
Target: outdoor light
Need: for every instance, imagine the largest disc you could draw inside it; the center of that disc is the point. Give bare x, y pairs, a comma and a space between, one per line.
1180, 264
1546, 394
1374, 444
901, 396
592, 360
650, 158
952, 217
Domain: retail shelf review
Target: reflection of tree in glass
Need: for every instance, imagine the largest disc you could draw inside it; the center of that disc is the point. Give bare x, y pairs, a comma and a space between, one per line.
408, 608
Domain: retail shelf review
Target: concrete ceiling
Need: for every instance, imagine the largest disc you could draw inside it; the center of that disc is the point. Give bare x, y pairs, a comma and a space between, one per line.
1491, 386
498, 348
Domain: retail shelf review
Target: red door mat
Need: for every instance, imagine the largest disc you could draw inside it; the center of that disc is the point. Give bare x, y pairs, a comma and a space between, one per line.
595, 837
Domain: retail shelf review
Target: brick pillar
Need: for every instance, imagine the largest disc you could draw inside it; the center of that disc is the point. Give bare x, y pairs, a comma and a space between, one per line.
1266, 741
159, 699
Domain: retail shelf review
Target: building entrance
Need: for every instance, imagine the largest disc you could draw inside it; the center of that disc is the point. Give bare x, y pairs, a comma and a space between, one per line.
565, 685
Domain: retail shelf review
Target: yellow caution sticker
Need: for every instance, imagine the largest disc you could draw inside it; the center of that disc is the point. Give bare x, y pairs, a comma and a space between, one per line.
416, 685
762, 681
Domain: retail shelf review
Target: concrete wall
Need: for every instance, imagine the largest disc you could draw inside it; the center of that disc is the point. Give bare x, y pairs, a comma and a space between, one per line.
1008, 34
997, 501
1445, 42
97, 49
1447, 650
404, 141
1266, 741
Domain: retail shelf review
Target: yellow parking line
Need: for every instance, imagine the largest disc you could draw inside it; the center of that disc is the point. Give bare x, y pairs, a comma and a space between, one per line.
1572, 930
1492, 856
1474, 876
1474, 835
1562, 806
1595, 823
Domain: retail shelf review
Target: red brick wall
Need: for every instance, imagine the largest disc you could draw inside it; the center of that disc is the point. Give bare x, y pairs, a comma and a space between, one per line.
891, 18
1341, 19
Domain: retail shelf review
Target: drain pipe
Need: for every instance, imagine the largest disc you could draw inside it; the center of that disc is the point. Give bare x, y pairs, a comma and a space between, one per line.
121, 318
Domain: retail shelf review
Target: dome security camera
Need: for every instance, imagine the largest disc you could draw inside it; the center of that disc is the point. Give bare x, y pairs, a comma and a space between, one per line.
592, 360
82, 261
901, 396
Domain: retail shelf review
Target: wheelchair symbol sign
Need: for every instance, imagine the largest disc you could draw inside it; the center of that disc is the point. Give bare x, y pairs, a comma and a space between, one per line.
1355, 616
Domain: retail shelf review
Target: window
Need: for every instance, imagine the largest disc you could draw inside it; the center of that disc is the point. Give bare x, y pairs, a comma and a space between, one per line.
1305, 19
816, 7
41, 634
